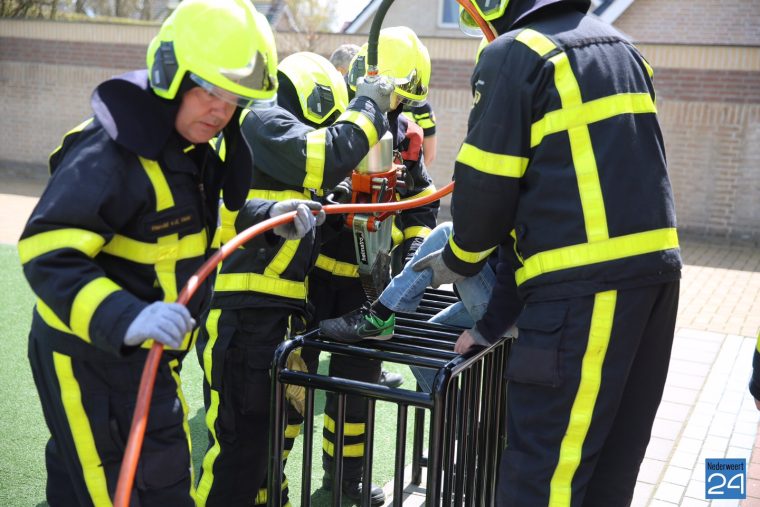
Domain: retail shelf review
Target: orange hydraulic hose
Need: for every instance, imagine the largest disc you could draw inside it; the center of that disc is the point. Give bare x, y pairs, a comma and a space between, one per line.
148, 378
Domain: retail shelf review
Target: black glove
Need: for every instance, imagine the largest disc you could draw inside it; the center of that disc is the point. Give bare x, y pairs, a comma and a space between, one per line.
341, 194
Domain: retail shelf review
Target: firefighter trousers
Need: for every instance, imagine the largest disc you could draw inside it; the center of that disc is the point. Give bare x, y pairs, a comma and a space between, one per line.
88, 405
333, 298
585, 377
235, 349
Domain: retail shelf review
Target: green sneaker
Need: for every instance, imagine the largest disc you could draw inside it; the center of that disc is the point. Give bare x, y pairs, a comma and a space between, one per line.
361, 324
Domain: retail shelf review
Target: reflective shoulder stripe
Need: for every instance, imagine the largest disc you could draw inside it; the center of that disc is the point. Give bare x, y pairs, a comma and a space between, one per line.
590, 112
87, 242
163, 193
492, 163
315, 158
650, 72
570, 450
469, 257
586, 254
536, 41
76, 129
419, 231
81, 431
192, 245
430, 189
87, 301
254, 282
363, 122
337, 267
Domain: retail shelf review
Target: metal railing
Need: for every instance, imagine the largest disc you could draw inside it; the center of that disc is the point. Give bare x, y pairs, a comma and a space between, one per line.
466, 405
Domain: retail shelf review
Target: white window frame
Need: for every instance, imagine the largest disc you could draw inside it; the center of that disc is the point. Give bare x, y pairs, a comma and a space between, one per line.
439, 20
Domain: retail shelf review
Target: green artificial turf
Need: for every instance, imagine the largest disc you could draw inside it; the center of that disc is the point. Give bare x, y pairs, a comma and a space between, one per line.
23, 430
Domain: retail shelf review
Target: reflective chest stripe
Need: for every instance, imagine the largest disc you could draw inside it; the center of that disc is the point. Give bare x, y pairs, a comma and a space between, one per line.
269, 282
574, 117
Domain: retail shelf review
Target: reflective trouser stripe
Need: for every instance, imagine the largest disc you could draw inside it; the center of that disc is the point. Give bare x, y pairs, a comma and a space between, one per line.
174, 366
349, 451
349, 429
571, 448
81, 431
207, 466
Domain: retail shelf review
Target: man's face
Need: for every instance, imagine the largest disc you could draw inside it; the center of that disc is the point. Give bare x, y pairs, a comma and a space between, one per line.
202, 116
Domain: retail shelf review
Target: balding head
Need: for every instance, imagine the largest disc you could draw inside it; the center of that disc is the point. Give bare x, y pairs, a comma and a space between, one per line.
342, 56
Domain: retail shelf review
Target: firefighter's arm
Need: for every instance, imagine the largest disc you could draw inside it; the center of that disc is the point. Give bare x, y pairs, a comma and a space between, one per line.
492, 159
416, 223
296, 154
85, 203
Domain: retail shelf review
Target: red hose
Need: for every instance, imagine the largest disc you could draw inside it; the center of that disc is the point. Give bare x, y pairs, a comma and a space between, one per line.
485, 27
148, 379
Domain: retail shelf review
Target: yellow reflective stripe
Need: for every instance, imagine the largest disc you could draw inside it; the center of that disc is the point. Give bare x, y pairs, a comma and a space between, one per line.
86, 302
757, 346
227, 225
397, 237
514, 246
585, 254
207, 475
283, 258
81, 431
164, 197
430, 189
278, 195
492, 163
261, 496
315, 158
166, 268
349, 429
363, 122
418, 231
586, 172
349, 451
648, 67
536, 41
76, 129
192, 245
50, 318
292, 430
466, 256
336, 267
174, 366
255, 282
571, 448
87, 242
590, 112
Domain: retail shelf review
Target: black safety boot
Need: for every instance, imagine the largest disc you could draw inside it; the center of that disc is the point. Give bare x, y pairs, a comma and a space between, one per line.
352, 490
389, 379
361, 324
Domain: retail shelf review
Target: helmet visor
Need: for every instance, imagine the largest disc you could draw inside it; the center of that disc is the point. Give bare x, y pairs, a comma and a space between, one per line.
467, 25
221, 93
320, 103
410, 90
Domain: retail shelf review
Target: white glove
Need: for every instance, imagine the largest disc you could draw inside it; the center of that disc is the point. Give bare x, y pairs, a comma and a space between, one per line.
304, 220
167, 323
442, 274
377, 88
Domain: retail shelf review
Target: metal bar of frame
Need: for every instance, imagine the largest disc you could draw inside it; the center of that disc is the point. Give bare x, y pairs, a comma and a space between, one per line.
467, 408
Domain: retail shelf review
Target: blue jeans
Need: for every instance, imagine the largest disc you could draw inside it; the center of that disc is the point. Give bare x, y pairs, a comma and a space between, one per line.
405, 292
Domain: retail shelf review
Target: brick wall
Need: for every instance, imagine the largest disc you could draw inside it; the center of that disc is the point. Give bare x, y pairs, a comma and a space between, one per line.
708, 98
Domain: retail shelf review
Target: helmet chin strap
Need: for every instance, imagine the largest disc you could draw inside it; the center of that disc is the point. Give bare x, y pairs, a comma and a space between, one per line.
484, 25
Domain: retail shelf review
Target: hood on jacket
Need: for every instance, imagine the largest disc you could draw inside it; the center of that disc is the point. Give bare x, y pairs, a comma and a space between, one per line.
520, 12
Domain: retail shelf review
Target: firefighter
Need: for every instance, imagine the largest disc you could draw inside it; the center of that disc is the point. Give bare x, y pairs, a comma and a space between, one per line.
334, 286
125, 220
754, 383
565, 154
306, 145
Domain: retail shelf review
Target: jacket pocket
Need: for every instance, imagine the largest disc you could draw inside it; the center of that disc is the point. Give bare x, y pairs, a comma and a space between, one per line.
534, 357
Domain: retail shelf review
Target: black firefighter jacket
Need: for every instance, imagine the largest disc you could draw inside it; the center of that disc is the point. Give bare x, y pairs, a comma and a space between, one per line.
125, 220
565, 154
